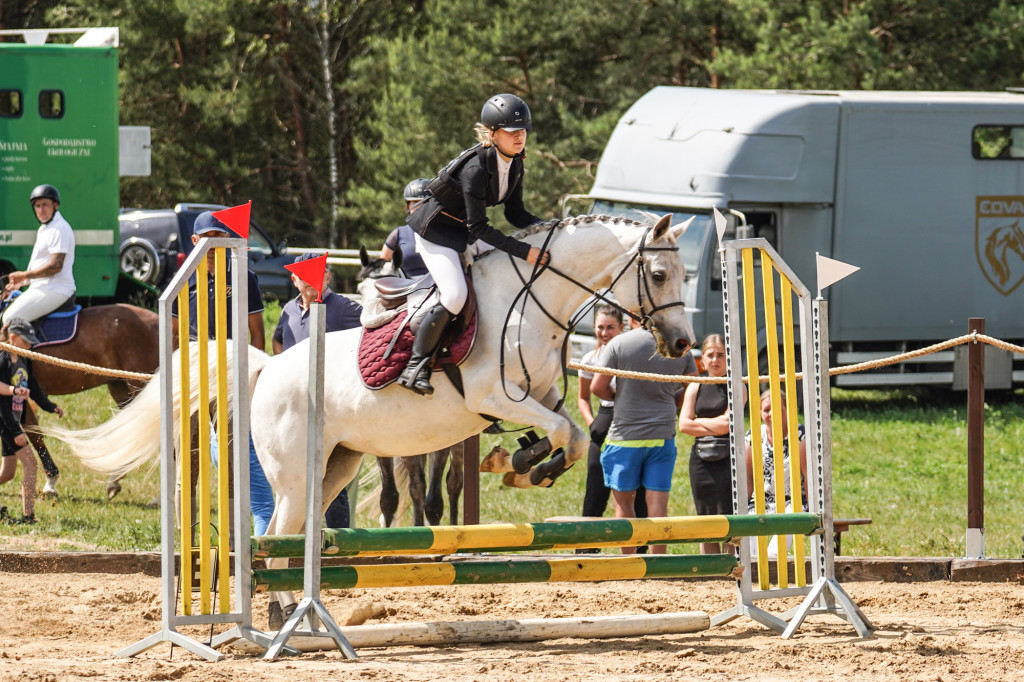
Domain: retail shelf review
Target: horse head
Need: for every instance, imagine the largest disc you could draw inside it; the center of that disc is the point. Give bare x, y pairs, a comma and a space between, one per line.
375, 268
651, 286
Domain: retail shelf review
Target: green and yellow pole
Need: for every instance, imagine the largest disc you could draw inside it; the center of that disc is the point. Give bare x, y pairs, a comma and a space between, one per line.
493, 572
518, 537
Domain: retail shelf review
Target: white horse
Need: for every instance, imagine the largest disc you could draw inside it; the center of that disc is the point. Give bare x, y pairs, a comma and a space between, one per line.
511, 374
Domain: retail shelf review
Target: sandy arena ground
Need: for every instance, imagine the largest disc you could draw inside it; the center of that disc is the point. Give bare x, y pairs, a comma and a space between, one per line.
69, 626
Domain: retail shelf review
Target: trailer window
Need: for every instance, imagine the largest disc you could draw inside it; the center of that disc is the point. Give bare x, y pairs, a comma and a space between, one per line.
51, 103
997, 142
10, 103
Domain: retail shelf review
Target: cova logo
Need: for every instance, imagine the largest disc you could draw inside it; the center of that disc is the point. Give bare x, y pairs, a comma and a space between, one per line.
999, 241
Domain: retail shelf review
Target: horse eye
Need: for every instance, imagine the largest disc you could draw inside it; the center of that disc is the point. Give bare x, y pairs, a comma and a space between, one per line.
658, 276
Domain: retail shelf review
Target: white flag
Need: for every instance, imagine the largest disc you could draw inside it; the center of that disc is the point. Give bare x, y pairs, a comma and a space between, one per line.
831, 271
720, 224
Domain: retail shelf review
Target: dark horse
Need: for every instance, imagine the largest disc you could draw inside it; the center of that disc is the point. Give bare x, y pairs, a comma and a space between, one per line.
119, 337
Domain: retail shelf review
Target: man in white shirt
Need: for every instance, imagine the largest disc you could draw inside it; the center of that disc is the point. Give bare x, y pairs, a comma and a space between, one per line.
49, 273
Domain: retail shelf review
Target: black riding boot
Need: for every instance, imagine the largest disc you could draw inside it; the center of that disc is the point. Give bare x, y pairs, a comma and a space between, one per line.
416, 375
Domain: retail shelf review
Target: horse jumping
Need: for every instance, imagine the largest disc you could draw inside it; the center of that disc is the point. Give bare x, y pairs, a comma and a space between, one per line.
512, 372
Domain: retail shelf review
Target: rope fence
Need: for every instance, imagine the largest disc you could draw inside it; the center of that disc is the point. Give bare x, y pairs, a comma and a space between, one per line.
80, 366
973, 337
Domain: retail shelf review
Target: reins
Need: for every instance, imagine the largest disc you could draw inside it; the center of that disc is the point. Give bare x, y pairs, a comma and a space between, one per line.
526, 292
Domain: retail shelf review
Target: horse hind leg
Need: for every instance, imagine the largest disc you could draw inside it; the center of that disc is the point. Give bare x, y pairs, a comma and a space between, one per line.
433, 507
417, 486
36, 439
455, 481
388, 491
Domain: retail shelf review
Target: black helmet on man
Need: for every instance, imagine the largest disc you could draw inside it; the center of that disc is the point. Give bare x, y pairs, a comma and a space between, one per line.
506, 111
416, 190
45, 192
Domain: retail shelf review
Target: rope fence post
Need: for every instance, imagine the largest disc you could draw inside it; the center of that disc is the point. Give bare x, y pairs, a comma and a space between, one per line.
975, 540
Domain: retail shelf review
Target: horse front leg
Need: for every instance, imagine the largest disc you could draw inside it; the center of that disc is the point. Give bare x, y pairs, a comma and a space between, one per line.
562, 433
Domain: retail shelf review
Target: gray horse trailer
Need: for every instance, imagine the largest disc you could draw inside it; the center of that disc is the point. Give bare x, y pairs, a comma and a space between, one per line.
924, 191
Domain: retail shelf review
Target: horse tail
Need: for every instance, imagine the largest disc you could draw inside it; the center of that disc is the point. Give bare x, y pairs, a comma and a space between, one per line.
131, 437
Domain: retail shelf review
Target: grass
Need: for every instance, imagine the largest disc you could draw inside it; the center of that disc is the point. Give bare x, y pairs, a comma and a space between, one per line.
899, 457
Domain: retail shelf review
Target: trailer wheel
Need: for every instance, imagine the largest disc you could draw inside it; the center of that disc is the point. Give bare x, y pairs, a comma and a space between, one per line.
140, 260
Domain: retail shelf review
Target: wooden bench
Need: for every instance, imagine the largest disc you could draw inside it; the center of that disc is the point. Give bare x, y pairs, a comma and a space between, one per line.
840, 526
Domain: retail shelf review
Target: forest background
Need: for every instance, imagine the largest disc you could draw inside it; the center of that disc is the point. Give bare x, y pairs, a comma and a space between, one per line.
320, 112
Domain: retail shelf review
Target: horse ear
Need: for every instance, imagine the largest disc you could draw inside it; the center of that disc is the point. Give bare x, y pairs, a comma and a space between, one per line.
679, 229
364, 257
661, 227
396, 259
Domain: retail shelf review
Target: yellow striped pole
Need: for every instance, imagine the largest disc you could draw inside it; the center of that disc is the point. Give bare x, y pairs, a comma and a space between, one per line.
772, 338
220, 286
185, 446
795, 477
202, 333
757, 482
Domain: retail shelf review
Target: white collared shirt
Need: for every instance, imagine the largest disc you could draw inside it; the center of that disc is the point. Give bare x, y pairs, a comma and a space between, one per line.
503, 168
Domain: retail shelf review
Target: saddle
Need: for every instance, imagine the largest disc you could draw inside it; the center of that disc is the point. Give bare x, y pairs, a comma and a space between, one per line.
385, 347
58, 327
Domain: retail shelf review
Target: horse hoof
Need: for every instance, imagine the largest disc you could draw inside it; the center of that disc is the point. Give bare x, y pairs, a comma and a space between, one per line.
497, 461
113, 488
514, 480
275, 617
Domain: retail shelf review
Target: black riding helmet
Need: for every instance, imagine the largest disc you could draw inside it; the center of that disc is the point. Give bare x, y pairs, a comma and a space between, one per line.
45, 192
506, 111
416, 190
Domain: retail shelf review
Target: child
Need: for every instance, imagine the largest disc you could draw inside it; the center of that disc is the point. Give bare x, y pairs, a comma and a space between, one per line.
768, 465
16, 385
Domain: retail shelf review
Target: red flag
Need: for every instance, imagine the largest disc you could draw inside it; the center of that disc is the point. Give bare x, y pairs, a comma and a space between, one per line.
312, 273
236, 218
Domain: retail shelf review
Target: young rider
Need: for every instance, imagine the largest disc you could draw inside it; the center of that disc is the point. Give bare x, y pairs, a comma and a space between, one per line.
455, 215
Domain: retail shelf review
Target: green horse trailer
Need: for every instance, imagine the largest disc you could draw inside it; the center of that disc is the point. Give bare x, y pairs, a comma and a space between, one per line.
59, 126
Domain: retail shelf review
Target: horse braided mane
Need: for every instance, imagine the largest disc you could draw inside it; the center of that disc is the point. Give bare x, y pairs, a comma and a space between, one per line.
558, 223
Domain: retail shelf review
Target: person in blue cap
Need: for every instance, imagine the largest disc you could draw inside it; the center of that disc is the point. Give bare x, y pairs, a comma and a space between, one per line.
261, 496
293, 327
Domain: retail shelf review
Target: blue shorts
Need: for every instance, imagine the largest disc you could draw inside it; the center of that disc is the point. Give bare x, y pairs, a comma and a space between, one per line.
627, 468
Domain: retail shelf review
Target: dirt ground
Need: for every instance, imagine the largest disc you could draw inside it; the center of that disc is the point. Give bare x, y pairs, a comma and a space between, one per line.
69, 626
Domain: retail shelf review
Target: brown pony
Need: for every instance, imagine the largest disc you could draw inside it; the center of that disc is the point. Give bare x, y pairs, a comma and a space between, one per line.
121, 337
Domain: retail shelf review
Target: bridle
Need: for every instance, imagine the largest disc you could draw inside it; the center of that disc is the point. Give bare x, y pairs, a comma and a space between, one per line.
643, 285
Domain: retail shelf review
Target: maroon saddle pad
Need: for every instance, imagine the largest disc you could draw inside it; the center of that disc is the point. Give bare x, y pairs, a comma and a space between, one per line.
377, 371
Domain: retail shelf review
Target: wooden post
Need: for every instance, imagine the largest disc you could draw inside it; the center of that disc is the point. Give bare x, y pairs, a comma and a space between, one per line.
471, 481
975, 540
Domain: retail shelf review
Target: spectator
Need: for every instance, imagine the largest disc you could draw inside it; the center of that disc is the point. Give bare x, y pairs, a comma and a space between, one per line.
640, 448
768, 464
607, 325
261, 497
18, 384
49, 273
705, 415
403, 238
293, 328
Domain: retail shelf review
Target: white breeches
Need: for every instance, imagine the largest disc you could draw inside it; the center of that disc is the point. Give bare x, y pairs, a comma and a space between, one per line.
445, 267
34, 303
